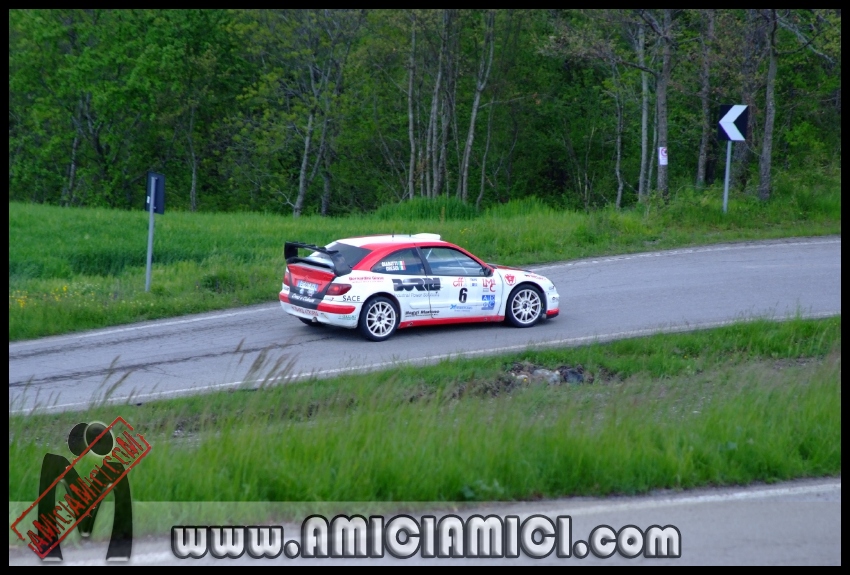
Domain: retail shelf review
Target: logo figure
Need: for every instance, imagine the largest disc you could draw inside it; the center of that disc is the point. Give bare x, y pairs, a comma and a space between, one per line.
510, 279
57, 517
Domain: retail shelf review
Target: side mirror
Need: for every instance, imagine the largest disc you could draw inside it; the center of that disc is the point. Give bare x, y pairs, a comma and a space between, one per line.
488, 271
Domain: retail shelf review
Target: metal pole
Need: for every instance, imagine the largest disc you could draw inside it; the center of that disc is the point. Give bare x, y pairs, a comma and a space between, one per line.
726, 185
150, 231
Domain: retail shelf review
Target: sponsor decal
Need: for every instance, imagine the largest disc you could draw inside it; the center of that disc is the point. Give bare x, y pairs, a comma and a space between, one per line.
535, 276
305, 311
351, 298
304, 298
348, 317
489, 302
418, 284
394, 266
361, 279
510, 278
458, 307
458, 282
489, 284
474, 282
421, 312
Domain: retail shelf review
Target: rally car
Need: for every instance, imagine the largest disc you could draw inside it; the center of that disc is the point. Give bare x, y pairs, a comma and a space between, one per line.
378, 284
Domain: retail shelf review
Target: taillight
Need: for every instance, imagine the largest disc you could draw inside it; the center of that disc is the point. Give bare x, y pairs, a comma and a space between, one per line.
338, 289
287, 279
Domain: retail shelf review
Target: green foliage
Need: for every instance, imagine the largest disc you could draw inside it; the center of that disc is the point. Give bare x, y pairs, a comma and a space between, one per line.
224, 103
441, 209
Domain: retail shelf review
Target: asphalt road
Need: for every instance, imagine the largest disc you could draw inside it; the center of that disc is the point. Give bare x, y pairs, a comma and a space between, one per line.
793, 523
601, 299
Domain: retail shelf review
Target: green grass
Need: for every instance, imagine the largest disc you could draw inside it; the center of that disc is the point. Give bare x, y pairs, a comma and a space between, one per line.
759, 401
75, 269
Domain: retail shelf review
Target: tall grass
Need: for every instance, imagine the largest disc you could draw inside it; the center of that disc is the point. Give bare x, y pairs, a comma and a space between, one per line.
734, 405
73, 269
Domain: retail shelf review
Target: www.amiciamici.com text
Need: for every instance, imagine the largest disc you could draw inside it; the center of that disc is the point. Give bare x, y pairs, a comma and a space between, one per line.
405, 536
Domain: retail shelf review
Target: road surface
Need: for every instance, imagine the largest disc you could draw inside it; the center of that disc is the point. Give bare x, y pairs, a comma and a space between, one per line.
601, 299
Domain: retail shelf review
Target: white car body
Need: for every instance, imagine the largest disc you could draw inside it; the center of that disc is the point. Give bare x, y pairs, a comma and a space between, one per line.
444, 285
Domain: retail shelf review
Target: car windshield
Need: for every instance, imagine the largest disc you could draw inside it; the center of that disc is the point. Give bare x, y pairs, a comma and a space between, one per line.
351, 254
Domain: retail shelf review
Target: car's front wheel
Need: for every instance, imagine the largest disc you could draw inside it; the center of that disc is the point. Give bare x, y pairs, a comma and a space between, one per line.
379, 319
525, 306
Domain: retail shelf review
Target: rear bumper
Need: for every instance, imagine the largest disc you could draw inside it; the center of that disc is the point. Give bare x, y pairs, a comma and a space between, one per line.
331, 314
552, 313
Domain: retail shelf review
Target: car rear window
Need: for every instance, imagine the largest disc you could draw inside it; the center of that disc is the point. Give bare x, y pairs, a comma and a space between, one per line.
352, 254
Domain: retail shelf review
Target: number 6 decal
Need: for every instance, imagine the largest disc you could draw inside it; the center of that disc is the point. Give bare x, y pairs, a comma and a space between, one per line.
462, 296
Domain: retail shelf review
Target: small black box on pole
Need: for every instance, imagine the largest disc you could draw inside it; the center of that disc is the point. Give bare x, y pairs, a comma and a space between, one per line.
158, 191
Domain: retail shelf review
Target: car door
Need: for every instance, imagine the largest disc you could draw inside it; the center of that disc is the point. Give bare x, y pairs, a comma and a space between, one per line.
406, 270
468, 290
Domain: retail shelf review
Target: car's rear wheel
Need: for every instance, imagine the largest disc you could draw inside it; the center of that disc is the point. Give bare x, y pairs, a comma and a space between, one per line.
525, 306
379, 319
309, 322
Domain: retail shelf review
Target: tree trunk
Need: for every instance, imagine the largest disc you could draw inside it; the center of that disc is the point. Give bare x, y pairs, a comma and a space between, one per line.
705, 86
619, 173
654, 149
302, 177
442, 170
742, 154
661, 96
769, 112
326, 177
193, 198
484, 157
480, 84
432, 160
410, 74
68, 193
644, 114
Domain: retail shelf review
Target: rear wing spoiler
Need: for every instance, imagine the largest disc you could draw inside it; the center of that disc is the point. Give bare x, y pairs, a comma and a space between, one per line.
290, 254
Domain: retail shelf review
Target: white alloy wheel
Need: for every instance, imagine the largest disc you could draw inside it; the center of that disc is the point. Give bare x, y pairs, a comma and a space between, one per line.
378, 319
525, 307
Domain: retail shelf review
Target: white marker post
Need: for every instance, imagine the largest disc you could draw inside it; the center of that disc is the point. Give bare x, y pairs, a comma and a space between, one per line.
151, 197
726, 181
732, 127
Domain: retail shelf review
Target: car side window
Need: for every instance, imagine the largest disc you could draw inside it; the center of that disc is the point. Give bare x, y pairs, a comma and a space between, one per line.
451, 262
402, 262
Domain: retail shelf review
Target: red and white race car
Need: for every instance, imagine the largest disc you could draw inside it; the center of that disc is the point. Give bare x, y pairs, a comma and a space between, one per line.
379, 284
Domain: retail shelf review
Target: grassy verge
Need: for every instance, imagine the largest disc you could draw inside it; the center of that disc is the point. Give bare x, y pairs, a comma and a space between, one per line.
75, 269
757, 401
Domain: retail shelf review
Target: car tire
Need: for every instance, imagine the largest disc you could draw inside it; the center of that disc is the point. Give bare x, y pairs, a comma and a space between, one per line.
379, 319
525, 306
309, 322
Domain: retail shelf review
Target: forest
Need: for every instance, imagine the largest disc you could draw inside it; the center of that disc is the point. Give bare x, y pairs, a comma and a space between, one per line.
337, 112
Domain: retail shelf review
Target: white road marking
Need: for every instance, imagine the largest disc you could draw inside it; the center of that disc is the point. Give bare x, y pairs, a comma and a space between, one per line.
676, 252
138, 327
744, 495
567, 342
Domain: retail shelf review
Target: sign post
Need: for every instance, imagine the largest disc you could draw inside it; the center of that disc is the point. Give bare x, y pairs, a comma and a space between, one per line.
732, 127
155, 202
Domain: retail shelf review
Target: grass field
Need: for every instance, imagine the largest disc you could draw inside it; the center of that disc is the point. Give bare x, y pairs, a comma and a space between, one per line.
76, 269
743, 403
